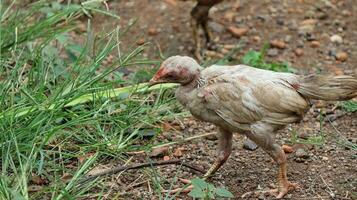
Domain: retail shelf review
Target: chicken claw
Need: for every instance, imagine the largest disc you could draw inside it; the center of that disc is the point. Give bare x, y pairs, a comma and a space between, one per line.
284, 189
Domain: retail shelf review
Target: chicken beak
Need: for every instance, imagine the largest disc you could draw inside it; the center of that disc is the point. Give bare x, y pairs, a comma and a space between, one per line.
153, 82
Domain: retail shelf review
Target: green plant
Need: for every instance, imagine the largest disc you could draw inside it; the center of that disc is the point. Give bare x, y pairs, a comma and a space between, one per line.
204, 190
60, 113
257, 59
319, 139
349, 106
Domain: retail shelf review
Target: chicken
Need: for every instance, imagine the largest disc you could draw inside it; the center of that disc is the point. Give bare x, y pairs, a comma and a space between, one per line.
199, 18
250, 101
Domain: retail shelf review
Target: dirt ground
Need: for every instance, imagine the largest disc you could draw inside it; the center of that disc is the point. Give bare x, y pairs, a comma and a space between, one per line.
306, 27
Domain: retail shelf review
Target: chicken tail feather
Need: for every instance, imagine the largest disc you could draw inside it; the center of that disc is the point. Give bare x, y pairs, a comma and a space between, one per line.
329, 88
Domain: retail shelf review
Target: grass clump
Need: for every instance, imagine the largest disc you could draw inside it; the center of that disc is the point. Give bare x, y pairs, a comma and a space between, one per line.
257, 59
58, 114
349, 106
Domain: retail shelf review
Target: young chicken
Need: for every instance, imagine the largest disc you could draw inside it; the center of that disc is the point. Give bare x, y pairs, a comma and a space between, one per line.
199, 18
250, 101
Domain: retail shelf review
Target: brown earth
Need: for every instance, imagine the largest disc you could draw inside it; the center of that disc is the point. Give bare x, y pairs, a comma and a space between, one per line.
305, 27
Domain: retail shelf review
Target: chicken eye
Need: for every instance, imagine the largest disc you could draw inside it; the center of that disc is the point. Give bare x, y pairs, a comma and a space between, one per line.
169, 76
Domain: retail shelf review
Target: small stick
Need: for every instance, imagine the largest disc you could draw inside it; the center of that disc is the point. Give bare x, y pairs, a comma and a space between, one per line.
138, 166
172, 143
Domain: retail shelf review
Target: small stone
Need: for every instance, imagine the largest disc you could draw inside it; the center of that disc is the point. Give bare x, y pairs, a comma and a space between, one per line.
280, 21
140, 41
322, 15
336, 39
301, 153
287, 38
272, 52
249, 145
335, 124
346, 13
299, 52
256, 39
315, 44
237, 32
341, 56
153, 31
229, 16
310, 37
303, 135
261, 197
278, 44
287, 148
216, 27
324, 158
332, 52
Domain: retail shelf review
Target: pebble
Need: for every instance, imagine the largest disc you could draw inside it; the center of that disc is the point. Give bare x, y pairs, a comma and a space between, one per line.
272, 52
301, 153
229, 16
304, 135
256, 39
346, 13
216, 27
322, 15
332, 52
287, 38
237, 32
287, 148
306, 29
341, 56
280, 21
310, 37
315, 44
153, 31
249, 145
141, 41
278, 44
336, 39
299, 52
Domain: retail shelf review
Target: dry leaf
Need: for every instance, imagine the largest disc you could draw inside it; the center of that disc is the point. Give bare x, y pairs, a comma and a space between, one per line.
66, 176
38, 180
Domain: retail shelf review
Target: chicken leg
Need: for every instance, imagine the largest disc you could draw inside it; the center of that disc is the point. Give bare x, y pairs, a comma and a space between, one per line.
224, 151
199, 19
262, 135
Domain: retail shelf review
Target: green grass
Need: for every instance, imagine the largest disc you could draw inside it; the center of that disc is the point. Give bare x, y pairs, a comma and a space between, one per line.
58, 104
349, 106
257, 59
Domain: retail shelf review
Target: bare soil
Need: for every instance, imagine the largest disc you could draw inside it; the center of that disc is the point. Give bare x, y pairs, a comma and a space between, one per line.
327, 171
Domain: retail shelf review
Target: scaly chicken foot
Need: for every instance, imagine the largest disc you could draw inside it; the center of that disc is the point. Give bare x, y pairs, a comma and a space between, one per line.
262, 135
224, 151
284, 186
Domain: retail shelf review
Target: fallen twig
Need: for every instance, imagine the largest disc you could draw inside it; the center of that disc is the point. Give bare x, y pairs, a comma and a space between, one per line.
138, 166
172, 143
